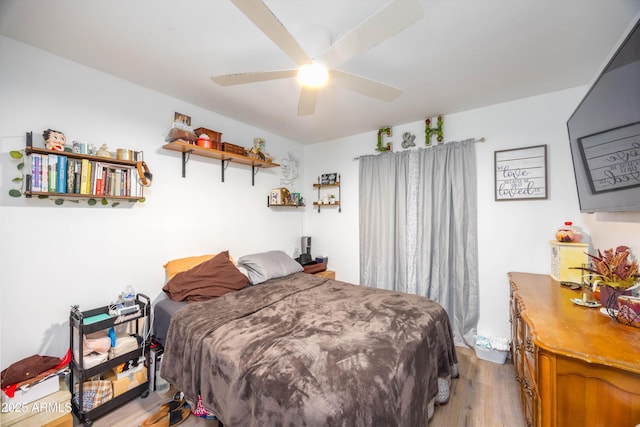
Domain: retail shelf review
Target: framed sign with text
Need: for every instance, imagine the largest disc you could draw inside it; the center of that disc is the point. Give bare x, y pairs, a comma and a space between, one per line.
521, 173
612, 158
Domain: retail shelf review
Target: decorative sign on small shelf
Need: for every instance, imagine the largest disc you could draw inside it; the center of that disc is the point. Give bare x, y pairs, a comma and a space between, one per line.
329, 178
521, 173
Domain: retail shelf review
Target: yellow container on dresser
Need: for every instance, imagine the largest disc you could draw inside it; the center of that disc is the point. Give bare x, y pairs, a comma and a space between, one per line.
565, 256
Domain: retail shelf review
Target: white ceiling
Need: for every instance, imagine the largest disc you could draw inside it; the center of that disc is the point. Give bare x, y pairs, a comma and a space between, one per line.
463, 54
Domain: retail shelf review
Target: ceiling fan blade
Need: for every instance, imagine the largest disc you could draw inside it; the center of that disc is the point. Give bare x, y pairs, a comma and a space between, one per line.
307, 103
265, 20
365, 86
391, 19
242, 78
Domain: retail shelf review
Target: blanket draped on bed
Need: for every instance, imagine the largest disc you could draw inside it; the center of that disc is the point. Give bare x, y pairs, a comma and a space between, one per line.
306, 351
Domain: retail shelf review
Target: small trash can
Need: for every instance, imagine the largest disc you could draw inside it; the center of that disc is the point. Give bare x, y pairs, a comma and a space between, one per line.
492, 349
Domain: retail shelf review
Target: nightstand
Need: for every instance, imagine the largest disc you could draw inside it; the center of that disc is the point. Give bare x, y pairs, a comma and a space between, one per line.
326, 273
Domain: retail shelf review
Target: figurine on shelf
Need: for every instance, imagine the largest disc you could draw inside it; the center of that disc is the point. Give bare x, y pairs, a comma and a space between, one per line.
54, 140
103, 151
258, 149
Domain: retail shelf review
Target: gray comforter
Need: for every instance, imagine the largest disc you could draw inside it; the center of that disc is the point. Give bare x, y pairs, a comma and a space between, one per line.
307, 351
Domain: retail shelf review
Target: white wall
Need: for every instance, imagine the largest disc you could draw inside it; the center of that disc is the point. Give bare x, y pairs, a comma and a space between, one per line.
52, 257
513, 235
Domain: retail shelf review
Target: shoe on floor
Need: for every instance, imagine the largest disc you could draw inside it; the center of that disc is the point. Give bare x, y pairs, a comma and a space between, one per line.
177, 403
173, 418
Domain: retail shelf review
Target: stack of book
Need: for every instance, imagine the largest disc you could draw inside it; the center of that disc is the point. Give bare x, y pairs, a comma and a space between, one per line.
55, 173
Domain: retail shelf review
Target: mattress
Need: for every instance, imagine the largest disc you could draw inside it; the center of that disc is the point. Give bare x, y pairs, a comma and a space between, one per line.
163, 310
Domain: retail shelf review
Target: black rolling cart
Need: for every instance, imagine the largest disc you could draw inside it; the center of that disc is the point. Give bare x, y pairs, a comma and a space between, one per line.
82, 323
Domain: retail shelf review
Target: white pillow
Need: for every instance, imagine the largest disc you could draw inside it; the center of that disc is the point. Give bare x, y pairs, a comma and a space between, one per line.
268, 265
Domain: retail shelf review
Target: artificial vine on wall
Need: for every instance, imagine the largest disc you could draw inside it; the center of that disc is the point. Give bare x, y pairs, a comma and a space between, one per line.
17, 155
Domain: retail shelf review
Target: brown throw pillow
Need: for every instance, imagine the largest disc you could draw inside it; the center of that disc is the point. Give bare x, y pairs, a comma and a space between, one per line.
210, 279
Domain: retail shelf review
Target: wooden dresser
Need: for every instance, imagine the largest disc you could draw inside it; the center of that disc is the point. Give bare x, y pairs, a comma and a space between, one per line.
575, 365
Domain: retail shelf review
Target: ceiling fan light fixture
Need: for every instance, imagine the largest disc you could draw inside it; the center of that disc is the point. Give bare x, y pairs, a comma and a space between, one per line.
313, 75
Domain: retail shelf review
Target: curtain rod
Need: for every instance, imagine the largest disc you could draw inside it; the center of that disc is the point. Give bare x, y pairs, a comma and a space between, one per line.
474, 140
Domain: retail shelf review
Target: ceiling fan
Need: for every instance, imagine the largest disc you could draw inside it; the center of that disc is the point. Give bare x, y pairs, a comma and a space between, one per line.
391, 19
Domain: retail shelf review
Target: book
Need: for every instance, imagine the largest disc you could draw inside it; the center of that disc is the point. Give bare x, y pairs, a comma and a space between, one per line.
97, 178
118, 183
53, 172
84, 176
61, 174
77, 174
125, 182
36, 172
103, 183
71, 175
88, 189
108, 182
92, 178
44, 173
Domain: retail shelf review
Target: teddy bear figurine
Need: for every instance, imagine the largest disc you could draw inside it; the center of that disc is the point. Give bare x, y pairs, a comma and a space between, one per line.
54, 140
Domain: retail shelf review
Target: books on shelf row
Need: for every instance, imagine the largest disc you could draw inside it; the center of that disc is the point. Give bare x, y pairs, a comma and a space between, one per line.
54, 173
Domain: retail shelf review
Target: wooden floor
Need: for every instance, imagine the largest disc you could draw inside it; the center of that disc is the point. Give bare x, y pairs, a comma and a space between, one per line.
485, 395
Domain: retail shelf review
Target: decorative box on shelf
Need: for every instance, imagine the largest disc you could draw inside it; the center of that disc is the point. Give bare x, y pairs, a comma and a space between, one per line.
214, 141
232, 148
565, 257
213, 135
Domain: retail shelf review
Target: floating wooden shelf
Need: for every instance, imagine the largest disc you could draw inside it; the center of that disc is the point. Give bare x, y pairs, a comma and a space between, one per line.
337, 184
71, 155
225, 157
285, 206
337, 203
42, 194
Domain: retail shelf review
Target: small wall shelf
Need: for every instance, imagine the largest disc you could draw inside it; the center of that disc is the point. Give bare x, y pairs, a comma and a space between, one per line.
225, 157
319, 186
328, 205
285, 206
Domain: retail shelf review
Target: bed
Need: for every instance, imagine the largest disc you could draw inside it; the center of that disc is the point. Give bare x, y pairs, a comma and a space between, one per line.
301, 350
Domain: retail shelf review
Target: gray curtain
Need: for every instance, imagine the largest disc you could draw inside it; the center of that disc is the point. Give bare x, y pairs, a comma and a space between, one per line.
418, 228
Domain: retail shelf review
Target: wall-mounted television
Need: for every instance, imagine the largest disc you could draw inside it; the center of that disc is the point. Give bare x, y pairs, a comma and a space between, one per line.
604, 133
